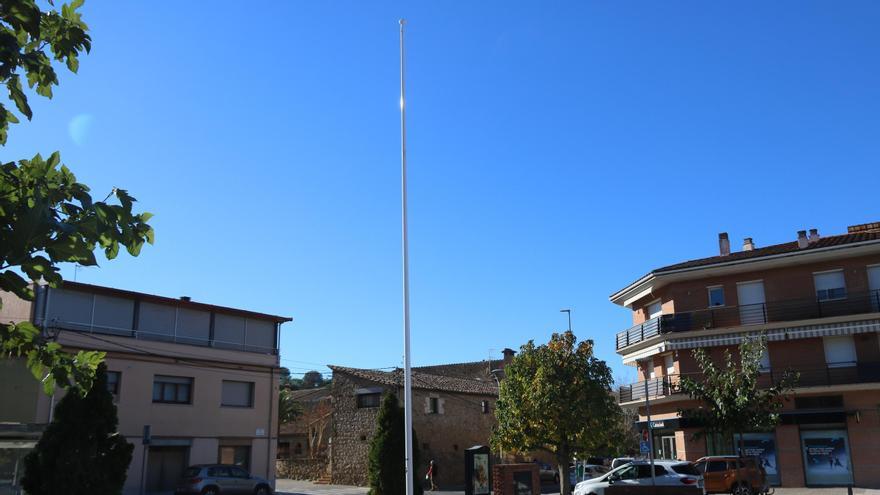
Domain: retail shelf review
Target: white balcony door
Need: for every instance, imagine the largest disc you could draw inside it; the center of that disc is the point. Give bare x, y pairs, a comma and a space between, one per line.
751, 302
874, 285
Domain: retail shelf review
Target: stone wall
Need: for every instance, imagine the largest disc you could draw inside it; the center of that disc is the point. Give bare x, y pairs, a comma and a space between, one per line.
459, 424
301, 469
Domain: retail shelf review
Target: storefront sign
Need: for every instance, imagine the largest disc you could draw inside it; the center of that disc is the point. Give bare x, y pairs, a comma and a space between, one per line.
763, 446
826, 457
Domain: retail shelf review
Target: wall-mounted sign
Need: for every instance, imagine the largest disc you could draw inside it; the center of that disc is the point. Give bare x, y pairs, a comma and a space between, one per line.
658, 424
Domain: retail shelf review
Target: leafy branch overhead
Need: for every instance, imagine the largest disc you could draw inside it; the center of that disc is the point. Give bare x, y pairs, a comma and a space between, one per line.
30, 40
46, 216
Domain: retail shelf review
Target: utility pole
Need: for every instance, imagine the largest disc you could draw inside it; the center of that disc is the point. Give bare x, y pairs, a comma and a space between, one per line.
650, 433
407, 372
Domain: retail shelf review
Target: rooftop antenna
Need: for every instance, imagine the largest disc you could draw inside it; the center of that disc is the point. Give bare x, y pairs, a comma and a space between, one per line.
407, 372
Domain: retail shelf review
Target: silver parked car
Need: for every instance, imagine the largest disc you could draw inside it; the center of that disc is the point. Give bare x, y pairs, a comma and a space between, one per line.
217, 479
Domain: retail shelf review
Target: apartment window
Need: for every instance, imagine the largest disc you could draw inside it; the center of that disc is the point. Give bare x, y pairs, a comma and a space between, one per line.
764, 364
237, 394
433, 405
830, 285
840, 351
238, 455
172, 389
113, 379
716, 296
655, 309
369, 400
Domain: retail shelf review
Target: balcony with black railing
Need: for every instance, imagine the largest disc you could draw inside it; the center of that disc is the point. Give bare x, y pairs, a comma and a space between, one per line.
768, 312
836, 374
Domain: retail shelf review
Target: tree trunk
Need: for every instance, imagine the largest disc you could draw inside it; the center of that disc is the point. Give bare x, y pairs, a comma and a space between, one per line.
564, 459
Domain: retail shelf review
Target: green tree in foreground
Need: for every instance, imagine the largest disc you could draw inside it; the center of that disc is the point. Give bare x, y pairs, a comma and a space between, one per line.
557, 398
46, 216
387, 461
80, 453
730, 400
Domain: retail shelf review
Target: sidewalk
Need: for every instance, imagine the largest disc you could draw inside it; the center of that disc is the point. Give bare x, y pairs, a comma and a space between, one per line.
297, 487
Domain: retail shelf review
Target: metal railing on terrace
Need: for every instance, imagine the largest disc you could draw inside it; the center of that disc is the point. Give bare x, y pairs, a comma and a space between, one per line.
772, 311
836, 374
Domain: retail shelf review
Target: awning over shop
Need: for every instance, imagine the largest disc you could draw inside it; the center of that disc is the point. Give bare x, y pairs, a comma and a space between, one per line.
777, 334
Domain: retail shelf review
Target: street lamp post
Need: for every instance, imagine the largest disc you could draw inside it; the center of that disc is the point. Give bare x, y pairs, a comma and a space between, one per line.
569, 317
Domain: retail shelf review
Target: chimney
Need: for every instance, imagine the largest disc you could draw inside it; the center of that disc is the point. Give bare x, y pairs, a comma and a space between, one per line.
863, 227
814, 235
723, 244
748, 245
185, 298
508, 355
802, 239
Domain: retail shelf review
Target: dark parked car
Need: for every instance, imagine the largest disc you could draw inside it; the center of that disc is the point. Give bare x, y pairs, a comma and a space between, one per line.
217, 479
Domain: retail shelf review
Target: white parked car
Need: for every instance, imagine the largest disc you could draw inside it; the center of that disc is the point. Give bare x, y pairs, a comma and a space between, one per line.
589, 471
638, 473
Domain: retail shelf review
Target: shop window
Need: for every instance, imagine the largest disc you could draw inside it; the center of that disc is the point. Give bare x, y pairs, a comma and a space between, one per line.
238, 455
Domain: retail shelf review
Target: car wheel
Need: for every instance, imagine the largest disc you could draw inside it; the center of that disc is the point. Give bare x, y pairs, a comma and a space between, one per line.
210, 491
742, 489
261, 490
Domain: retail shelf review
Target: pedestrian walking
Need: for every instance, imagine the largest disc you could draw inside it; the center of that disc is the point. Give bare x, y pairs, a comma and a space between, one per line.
431, 474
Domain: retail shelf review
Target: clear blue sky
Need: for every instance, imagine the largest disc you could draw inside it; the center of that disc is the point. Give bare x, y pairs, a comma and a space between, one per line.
558, 150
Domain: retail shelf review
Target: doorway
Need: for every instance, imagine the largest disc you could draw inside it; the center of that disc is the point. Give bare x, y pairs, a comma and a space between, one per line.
874, 286
165, 466
751, 302
667, 448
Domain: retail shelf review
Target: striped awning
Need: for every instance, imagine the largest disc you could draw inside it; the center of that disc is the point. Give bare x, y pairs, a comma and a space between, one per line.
776, 334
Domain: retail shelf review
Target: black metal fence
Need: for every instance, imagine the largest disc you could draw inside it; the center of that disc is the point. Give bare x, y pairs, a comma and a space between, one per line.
837, 374
773, 311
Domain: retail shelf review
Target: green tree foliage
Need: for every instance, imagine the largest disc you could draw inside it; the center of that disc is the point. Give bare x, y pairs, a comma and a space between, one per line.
731, 402
557, 398
387, 461
46, 216
80, 453
288, 409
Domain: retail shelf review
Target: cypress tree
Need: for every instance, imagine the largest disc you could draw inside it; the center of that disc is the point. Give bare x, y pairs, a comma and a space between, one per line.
387, 466
80, 453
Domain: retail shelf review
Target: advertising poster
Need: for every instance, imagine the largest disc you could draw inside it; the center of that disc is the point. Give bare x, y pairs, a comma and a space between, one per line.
481, 474
826, 457
763, 446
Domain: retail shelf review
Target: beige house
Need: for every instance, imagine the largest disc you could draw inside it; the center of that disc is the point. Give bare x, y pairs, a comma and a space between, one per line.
201, 379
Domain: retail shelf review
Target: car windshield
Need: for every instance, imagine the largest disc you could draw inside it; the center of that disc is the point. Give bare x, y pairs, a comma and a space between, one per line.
191, 472
618, 469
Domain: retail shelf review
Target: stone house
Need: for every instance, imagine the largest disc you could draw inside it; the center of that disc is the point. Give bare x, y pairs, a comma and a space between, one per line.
454, 409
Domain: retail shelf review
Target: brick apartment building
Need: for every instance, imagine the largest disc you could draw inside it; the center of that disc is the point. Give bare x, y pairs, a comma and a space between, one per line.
817, 302
203, 377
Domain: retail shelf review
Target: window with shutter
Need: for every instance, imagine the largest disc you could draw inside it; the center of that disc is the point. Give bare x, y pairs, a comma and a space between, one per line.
840, 351
237, 394
830, 285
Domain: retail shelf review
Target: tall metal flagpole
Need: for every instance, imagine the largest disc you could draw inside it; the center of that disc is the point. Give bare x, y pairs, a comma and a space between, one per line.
407, 372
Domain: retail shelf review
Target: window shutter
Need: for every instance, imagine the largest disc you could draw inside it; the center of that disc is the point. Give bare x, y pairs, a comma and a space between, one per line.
840, 351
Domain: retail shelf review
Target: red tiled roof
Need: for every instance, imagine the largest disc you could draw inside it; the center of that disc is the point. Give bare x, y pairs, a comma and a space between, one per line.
423, 381
776, 249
